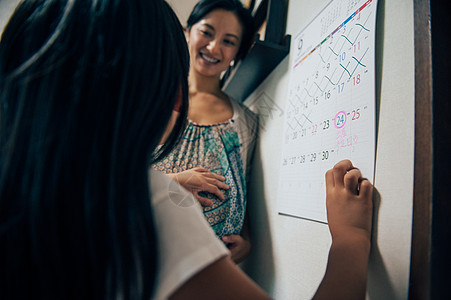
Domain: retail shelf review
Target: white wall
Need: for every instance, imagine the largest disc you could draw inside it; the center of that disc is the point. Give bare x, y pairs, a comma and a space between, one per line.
6, 8
182, 8
289, 254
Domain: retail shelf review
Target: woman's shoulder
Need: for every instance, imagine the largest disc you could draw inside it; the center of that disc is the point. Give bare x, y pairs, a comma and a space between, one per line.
240, 106
242, 113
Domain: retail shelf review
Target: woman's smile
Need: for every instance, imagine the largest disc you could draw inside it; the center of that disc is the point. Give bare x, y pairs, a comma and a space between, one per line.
209, 59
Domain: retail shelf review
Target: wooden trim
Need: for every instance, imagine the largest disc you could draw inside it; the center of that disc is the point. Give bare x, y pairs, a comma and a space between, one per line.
261, 13
249, 4
420, 269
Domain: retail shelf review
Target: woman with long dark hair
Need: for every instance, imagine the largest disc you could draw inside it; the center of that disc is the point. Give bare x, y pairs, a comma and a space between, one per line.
87, 89
85, 97
213, 158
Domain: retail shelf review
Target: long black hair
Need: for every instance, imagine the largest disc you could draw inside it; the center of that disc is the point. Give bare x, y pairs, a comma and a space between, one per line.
86, 90
204, 7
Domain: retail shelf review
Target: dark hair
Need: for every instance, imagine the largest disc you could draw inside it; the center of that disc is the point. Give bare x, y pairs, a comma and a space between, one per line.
204, 7
86, 91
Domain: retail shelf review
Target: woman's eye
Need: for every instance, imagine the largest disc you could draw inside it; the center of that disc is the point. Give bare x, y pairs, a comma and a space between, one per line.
205, 33
229, 42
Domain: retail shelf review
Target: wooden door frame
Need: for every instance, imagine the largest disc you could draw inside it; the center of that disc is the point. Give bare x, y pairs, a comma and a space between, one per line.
431, 230
422, 205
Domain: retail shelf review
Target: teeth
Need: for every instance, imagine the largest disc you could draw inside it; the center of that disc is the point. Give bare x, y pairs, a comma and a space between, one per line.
209, 59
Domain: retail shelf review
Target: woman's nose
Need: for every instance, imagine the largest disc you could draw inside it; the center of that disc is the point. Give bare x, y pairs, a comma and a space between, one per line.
213, 46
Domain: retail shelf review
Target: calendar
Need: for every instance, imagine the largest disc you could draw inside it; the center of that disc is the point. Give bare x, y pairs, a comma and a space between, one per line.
330, 105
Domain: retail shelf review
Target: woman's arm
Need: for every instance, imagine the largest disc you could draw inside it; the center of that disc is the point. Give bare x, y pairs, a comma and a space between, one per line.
222, 280
349, 214
349, 211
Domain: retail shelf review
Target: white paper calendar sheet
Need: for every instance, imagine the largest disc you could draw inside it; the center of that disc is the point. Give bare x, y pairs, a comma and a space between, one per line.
330, 110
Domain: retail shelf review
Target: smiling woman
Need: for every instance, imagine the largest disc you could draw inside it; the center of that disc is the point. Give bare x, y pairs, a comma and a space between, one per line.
212, 159
214, 42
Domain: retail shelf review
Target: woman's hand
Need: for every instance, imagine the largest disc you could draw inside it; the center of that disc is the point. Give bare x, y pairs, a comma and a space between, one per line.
238, 246
349, 202
201, 180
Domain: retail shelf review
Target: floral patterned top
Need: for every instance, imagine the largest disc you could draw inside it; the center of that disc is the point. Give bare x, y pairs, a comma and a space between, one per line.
222, 149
